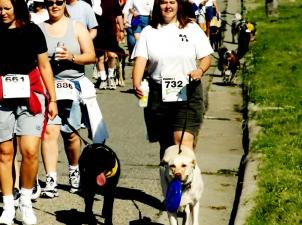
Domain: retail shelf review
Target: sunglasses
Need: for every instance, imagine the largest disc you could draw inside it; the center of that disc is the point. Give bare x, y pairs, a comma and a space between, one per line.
51, 3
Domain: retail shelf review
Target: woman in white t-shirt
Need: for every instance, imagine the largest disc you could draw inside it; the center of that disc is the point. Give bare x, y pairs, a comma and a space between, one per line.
177, 53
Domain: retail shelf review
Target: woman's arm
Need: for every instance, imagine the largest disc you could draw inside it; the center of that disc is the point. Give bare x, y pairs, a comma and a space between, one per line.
48, 80
93, 33
137, 74
120, 22
216, 6
203, 65
87, 55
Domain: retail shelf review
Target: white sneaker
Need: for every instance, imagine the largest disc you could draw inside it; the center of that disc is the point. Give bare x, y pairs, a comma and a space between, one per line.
8, 216
16, 194
74, 180
111, 83
36, 190
95, 74
103, 85
27, 212
50, 190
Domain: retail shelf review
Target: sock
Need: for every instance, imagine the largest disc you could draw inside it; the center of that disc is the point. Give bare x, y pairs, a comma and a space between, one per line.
8, 202
73, 168
26, 195
53, 175
110, 72
103, 75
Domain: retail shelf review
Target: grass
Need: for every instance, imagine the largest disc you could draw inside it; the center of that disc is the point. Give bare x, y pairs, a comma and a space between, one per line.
276, 81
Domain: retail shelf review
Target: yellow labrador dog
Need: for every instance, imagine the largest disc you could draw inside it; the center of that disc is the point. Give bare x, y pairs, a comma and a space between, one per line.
181, 163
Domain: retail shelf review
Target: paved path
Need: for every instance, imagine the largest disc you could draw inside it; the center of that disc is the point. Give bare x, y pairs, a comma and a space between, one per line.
219, 151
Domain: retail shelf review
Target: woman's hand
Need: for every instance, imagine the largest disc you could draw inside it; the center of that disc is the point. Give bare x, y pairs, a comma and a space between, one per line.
196, 74
52, 110
137, 75
137, 90
64, 55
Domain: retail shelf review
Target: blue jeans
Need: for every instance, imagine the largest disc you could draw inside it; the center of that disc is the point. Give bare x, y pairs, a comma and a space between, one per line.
130, 40
144, 21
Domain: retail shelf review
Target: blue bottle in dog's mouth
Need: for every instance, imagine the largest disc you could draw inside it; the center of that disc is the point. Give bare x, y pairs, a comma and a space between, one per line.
173, 195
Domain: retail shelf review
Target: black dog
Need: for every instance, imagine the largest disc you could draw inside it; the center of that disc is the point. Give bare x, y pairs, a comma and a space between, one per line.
100, 172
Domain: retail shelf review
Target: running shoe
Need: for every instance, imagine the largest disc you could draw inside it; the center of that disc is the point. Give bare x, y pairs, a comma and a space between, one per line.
74, 181
36, 190
50, 190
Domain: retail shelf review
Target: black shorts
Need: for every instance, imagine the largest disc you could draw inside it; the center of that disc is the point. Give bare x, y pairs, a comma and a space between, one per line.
105, 40
163, 118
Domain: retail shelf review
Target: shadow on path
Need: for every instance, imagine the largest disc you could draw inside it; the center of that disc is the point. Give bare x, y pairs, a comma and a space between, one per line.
74, 217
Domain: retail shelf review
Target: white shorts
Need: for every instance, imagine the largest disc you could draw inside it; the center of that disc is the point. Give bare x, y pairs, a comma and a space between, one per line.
16, 119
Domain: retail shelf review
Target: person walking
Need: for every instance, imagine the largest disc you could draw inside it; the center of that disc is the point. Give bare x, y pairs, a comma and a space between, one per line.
141, 13
127, 15
177, 53
211, 8
106, 42
82, 12
68, 62
23, 103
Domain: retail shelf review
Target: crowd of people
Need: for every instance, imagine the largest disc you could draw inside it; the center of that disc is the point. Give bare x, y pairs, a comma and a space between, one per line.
47, 44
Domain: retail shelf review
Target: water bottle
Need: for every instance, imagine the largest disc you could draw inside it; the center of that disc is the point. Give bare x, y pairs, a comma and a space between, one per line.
143, 101
59, 48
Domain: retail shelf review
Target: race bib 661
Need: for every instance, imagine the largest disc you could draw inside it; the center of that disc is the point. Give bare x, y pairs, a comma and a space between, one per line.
16, 86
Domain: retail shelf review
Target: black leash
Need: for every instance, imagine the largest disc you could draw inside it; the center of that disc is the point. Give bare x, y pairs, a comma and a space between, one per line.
183, 130
77, 133
185, 123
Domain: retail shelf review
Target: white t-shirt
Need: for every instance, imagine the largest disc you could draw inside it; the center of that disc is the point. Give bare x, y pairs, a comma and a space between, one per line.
82, 12
210, 3
171, 50
143, 7
39, 17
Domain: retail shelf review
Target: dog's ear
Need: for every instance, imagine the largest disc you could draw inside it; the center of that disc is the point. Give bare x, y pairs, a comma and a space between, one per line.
163, 163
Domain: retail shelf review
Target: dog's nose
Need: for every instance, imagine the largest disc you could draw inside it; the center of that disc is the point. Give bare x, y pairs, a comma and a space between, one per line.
177, 175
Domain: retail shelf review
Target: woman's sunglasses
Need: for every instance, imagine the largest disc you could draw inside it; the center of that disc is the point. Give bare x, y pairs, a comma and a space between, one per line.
51, 3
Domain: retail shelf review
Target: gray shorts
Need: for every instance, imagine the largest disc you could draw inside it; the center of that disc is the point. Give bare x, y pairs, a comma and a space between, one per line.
70, 112
16, 119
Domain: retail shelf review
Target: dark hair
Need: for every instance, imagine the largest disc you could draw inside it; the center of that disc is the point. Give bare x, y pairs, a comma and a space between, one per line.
22, 15
38, 5
157, 17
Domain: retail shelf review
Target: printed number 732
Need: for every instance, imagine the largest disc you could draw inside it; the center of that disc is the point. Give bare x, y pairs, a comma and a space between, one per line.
173, 84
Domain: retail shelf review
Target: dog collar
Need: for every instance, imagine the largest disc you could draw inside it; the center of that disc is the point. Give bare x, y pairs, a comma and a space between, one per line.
112, 172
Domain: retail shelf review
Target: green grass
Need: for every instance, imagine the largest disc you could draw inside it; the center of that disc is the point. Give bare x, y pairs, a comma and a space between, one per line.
276, 81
